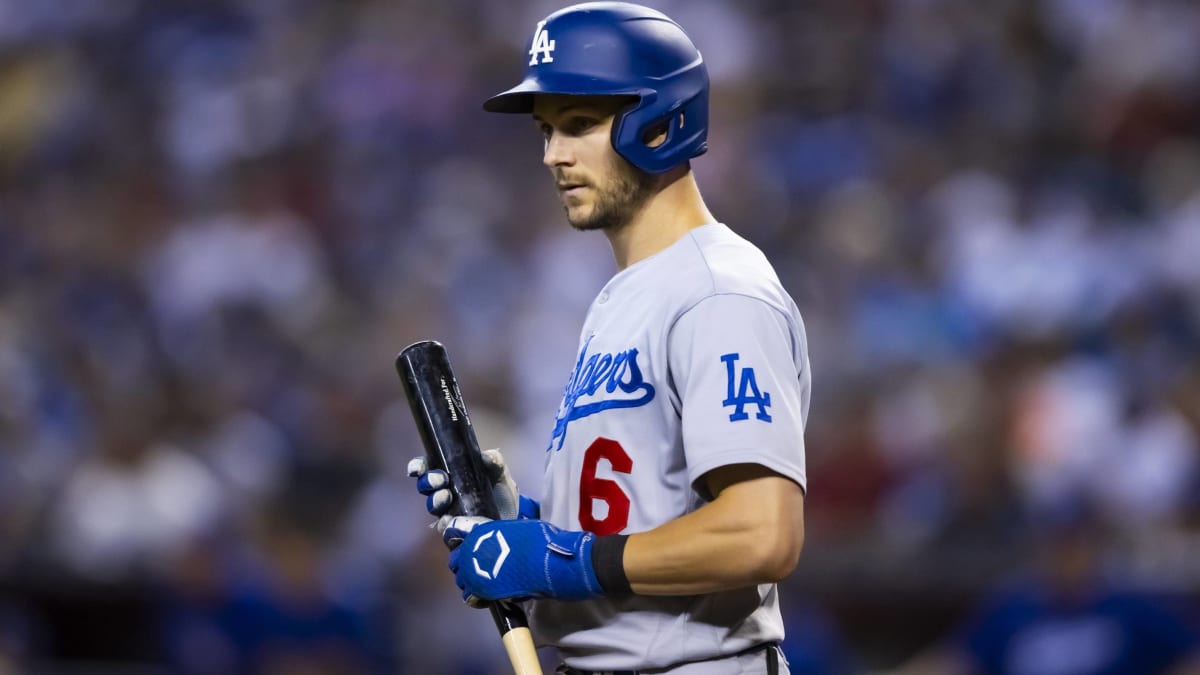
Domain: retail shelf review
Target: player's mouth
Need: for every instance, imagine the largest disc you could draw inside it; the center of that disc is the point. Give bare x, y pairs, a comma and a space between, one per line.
571, 189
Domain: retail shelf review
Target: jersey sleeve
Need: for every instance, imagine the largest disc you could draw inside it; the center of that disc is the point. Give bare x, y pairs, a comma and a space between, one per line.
739, 368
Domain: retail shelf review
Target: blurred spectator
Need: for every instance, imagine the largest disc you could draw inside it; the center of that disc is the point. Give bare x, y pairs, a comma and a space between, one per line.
16, 640
1069, 618
814, 645
136, 503
276, 612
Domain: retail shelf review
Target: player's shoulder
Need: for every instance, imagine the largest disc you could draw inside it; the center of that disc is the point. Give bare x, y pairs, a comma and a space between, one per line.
724, 263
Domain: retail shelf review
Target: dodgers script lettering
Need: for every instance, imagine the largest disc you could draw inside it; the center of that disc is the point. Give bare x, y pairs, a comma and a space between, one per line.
600, 382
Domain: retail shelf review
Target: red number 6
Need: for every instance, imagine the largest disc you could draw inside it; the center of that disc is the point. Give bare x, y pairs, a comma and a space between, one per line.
607, 491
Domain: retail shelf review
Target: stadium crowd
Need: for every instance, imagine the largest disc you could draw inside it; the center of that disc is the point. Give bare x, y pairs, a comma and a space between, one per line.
220, 221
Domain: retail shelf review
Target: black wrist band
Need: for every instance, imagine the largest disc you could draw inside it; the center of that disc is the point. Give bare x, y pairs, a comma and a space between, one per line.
608, 559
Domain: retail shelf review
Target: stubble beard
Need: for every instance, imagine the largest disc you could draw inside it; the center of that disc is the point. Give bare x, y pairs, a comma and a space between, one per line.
617, 203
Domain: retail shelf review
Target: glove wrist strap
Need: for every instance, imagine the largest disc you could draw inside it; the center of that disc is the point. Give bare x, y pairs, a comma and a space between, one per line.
608, 560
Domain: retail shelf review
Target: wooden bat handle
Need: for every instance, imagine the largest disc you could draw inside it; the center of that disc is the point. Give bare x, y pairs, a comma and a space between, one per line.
518, 642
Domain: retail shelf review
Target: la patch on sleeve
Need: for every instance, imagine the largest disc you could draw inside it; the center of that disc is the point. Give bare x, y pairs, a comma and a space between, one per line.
743, 382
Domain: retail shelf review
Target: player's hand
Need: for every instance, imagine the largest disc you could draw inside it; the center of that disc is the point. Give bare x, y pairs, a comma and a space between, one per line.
506, 559
435, 485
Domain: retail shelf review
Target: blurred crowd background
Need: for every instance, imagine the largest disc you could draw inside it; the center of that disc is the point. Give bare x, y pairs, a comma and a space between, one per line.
220, 221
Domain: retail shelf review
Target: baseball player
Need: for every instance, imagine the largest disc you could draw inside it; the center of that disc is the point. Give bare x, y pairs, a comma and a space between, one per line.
674, 474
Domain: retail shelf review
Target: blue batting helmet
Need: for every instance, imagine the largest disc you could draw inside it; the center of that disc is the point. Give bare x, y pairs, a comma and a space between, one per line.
621, 49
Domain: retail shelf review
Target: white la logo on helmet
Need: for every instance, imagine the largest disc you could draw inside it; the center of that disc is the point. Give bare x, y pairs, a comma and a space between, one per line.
499, 560
542, 44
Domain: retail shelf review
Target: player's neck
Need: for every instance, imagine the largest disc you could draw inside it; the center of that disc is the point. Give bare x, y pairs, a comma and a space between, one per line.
666, 217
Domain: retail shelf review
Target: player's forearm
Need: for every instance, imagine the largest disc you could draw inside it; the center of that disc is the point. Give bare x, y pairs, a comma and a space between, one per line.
751, 534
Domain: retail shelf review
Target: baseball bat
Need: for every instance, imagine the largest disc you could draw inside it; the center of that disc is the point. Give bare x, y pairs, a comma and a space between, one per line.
450, 445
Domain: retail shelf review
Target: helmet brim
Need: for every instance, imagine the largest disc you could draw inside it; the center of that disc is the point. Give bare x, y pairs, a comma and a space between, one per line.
519, 99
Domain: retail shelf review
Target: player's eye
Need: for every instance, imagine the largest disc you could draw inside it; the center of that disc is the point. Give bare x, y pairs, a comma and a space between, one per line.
580, 125
545, 130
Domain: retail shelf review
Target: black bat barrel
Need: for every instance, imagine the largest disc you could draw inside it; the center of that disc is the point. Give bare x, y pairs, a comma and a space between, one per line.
450, 442
445, 426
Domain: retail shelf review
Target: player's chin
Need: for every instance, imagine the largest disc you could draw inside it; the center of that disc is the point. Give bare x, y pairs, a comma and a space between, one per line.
581, 216
575, 202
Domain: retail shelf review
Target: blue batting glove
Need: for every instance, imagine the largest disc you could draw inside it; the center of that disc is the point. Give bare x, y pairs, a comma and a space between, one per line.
529, 509
503, 559
435, 485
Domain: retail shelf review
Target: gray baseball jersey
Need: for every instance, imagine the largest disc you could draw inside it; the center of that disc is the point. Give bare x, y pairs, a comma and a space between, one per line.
691, 359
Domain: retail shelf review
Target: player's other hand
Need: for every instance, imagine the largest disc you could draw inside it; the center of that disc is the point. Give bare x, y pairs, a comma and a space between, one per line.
435, 485
516, 559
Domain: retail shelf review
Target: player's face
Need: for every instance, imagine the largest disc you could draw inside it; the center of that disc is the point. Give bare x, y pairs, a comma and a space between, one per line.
599, 189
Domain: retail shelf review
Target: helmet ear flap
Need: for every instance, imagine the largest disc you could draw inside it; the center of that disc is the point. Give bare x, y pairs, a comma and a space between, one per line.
666, 140
657, 133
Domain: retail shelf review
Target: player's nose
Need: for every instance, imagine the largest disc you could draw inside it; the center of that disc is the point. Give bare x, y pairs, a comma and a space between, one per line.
558, 151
